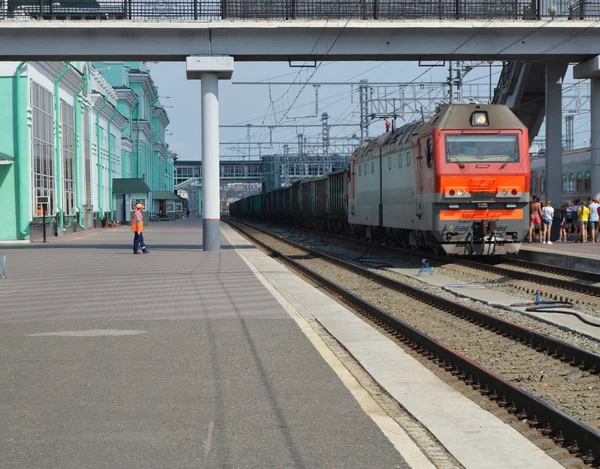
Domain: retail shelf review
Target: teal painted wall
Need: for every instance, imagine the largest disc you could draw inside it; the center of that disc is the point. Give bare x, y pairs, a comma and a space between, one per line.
8, 213
8, 188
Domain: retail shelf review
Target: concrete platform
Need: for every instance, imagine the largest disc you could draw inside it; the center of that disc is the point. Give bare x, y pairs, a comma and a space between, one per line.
175, 359
189, 359
581, 256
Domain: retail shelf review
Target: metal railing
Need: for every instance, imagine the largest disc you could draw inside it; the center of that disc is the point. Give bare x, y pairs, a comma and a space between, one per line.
209, 10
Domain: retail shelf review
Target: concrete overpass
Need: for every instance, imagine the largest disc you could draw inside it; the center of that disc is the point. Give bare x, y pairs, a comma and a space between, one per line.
523, 40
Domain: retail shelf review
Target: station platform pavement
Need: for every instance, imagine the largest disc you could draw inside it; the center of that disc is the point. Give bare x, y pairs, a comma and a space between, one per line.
582, 256
183, 358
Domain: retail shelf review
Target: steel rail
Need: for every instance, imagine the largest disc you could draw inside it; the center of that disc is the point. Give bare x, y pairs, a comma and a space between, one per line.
575, 435
570, 285
578, 274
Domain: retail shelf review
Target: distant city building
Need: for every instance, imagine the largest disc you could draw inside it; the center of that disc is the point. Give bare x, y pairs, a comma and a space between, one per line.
82, 143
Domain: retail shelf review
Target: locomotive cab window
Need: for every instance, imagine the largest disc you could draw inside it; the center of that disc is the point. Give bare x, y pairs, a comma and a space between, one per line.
429, 154
477, 148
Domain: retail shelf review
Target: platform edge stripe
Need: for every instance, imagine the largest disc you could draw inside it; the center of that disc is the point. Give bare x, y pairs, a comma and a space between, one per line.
405, 446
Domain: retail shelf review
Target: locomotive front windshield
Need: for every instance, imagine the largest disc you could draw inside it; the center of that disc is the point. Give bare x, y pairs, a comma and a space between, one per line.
478, 148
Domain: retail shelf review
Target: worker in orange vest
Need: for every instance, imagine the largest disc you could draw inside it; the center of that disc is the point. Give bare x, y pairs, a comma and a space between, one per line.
137, 226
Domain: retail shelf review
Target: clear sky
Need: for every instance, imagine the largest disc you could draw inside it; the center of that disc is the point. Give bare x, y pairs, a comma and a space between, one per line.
242, 104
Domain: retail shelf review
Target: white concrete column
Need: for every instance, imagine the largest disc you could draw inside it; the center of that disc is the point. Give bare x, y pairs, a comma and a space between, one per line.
595, 140
211, 212
591, 69
554, 78
209, 70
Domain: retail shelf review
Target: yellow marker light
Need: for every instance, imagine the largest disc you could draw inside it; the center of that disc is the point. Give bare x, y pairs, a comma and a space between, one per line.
479, 118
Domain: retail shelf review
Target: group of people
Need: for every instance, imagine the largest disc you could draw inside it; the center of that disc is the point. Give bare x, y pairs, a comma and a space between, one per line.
578, 220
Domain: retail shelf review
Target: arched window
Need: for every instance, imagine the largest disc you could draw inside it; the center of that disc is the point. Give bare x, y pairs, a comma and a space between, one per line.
587, 183
564, 183
542, 185
579, 182
571, 182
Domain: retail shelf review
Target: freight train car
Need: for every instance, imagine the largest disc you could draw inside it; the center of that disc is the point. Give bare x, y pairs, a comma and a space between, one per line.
458, 183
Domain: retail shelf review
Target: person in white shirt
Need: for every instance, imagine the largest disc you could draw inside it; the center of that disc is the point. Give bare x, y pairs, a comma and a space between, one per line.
548, 215
593, 223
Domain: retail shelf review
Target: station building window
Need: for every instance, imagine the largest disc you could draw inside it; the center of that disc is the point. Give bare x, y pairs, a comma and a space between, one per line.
390, 162
564, 183
359, 170
571, 182
579, 182
533, 189
68, 153
587, 183
400, 160
86, 149
408, 158
42, 144
372, 167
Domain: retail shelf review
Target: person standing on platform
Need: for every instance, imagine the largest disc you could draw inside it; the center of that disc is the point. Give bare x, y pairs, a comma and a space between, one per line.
564, 225
548, 215
535, 214
593, 224
583, 216
137, 226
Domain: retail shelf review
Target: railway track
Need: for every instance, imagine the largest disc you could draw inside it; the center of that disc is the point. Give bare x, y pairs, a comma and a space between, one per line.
568, 285
565, 284
552, 385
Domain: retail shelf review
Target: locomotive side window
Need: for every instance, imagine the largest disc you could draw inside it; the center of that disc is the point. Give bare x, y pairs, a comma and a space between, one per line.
475, 148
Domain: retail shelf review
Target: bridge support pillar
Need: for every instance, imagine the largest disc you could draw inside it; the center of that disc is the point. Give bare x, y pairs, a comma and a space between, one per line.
209, 69
554, 78
591, 69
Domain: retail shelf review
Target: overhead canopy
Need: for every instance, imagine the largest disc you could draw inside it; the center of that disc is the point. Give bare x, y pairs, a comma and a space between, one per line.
164, 195
130, 186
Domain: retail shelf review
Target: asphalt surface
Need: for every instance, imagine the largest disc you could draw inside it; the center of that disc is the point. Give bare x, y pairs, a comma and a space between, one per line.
176, 359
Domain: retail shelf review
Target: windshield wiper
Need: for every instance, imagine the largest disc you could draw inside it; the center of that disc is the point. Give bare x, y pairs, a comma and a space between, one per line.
459, 163
508, 160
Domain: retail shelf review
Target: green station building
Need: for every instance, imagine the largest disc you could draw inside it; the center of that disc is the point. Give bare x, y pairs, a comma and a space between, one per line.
83, 143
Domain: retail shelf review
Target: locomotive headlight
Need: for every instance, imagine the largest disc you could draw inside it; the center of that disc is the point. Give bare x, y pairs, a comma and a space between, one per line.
479, 118
504, 192
461, 192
